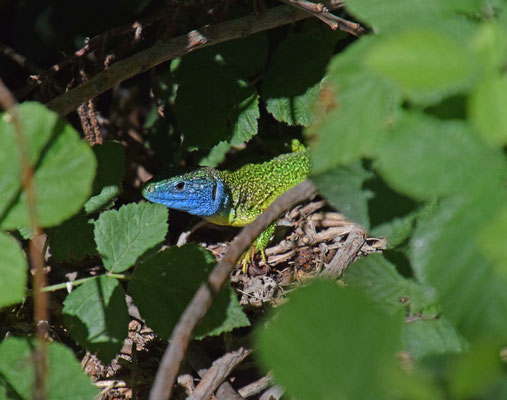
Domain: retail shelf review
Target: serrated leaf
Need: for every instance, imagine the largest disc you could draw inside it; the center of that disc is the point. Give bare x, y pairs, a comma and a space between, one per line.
425, 63
220, 105
353, 340
413, 161
359, 193
107, 185
164, 284
17, 371
97, 317
487, 109
379, 278
13, 270
124, 235
445, 252
216, 155
292, 82
366, 109
64, 168
73, 239
430, 337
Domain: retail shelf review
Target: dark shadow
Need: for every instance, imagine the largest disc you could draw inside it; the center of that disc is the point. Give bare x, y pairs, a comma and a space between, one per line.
386, 204
400, 260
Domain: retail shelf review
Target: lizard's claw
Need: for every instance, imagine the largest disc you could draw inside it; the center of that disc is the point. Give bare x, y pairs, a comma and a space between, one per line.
258, 246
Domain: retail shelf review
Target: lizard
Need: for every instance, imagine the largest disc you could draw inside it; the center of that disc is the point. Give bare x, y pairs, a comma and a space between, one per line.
233, 197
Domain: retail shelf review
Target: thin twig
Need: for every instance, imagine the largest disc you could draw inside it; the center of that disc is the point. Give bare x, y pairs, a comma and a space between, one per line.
9, 104
321, 12
91, 45
203, 298
346, 254
218, 372
256, 387
200, 363
165, 50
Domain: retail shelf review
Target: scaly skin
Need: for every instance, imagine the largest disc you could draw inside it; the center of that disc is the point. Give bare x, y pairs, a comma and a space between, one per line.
233, 198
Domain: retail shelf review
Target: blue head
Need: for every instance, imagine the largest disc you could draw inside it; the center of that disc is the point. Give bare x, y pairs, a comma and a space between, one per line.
200, 192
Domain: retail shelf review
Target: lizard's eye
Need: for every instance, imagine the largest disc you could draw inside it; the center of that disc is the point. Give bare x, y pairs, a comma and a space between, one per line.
180, 186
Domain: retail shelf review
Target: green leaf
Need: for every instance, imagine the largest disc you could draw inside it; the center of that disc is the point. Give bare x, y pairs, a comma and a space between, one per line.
487, 109
361, 110
425, 63
413, 161
490, 45
387, 14
477, 372
220, 105
64, 167
164, 284
379, 278
65, 380
124, 235
359, 193
354, 342
445, 252
216, 155
430, 337
13, 270
491, 240
344, 188
107, 185
292, 82
97, 317
73, 239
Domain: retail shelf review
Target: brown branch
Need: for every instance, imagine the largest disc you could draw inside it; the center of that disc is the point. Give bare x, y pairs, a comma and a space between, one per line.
321, 12
218, 372
203, 298
9, 104
346, 254
91, 45
165, 50
200, 363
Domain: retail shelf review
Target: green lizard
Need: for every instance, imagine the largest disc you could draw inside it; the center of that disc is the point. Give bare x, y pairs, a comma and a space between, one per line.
233, 198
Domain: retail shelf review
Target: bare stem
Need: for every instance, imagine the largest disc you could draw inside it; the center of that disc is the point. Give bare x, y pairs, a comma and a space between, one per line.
9, 104
165, 50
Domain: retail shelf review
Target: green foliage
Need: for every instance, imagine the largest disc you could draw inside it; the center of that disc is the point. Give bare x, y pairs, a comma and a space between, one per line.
64, 168
292, 82
407, 130
124, 235
107, 184
13, 268
215, 102
424, 338
329, 340
73, 239
17, 378
171, 277
380, 280
97, 316
425, 64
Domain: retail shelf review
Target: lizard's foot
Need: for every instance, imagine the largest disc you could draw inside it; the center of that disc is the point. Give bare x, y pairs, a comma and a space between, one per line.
258, 246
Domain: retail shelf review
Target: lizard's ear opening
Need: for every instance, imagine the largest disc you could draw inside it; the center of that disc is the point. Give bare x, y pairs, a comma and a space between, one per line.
215, 192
